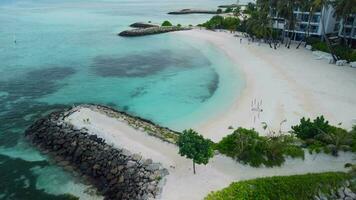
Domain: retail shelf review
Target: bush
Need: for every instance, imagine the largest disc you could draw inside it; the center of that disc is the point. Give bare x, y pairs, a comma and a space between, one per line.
167, 23
248, 147
220, 22
319, 136
341, 51
320, 46
308, 129
219, 11
297, 187
353, 56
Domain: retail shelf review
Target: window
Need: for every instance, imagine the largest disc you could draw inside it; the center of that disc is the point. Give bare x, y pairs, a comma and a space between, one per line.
302, 27
305, 17
316, 18
337, 27
314, 29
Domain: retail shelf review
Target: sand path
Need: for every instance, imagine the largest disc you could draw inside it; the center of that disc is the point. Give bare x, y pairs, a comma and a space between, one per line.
181, 183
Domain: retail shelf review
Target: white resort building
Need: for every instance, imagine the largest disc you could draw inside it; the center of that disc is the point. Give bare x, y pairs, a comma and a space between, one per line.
350, 27
331, 23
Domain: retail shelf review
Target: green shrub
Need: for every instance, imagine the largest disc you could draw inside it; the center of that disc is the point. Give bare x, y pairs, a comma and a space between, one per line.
320, 46
353, 133
167, 23
352, 57
246, 146
296, 187
341, 51
220, 22
308, 129
219, 11
179, 25
318, 135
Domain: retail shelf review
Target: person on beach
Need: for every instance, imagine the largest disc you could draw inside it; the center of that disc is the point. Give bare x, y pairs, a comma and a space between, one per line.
240, 40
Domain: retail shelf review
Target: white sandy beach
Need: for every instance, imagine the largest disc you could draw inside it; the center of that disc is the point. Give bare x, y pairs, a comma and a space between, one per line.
291, 83
181, 183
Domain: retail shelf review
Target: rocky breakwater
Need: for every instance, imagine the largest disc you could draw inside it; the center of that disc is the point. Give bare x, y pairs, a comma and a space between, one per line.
192, 11
117, 173
143, 25
151, 31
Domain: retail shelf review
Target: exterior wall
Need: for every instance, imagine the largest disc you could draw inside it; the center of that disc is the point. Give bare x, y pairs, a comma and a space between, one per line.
302, 17
350, 27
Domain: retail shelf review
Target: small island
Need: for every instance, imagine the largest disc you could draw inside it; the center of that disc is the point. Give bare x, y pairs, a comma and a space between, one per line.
193, 11
142, 29
229, 6
143, 25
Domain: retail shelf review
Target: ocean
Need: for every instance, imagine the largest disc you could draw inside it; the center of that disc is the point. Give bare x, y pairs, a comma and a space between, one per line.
55, 54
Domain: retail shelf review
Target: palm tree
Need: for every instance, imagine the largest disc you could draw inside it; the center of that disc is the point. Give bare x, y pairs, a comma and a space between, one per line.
307, 5
324, 5
286, 10
344, 9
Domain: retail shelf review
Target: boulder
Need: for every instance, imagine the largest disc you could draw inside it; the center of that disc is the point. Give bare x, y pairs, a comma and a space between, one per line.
353, 64
341, 62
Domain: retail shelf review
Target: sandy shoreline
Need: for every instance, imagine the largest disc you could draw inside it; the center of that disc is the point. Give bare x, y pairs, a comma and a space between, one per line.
181, 183
291, 83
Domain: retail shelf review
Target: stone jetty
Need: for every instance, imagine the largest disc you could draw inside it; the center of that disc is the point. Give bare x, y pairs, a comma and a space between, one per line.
192, 11
229, 6
117, 173
151, 31
143, 25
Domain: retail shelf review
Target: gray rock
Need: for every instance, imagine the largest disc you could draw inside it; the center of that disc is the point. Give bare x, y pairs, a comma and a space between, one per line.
153, 167
340, 193
151, 188
121, 179
130, 164
118, 173
347, 183
147, 162
151, 31
136, 157
349, 193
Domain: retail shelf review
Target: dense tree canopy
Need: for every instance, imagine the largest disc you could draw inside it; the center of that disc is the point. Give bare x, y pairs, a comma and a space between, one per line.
195, 147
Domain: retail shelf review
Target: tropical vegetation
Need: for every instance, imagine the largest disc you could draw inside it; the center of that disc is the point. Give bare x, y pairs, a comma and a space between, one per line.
167, 23
195, 147
246, 146
341, 51
296, 187
220, 22
260, 16
318, 135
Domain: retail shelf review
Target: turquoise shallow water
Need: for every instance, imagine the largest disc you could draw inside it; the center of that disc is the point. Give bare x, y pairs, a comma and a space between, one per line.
67, 52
